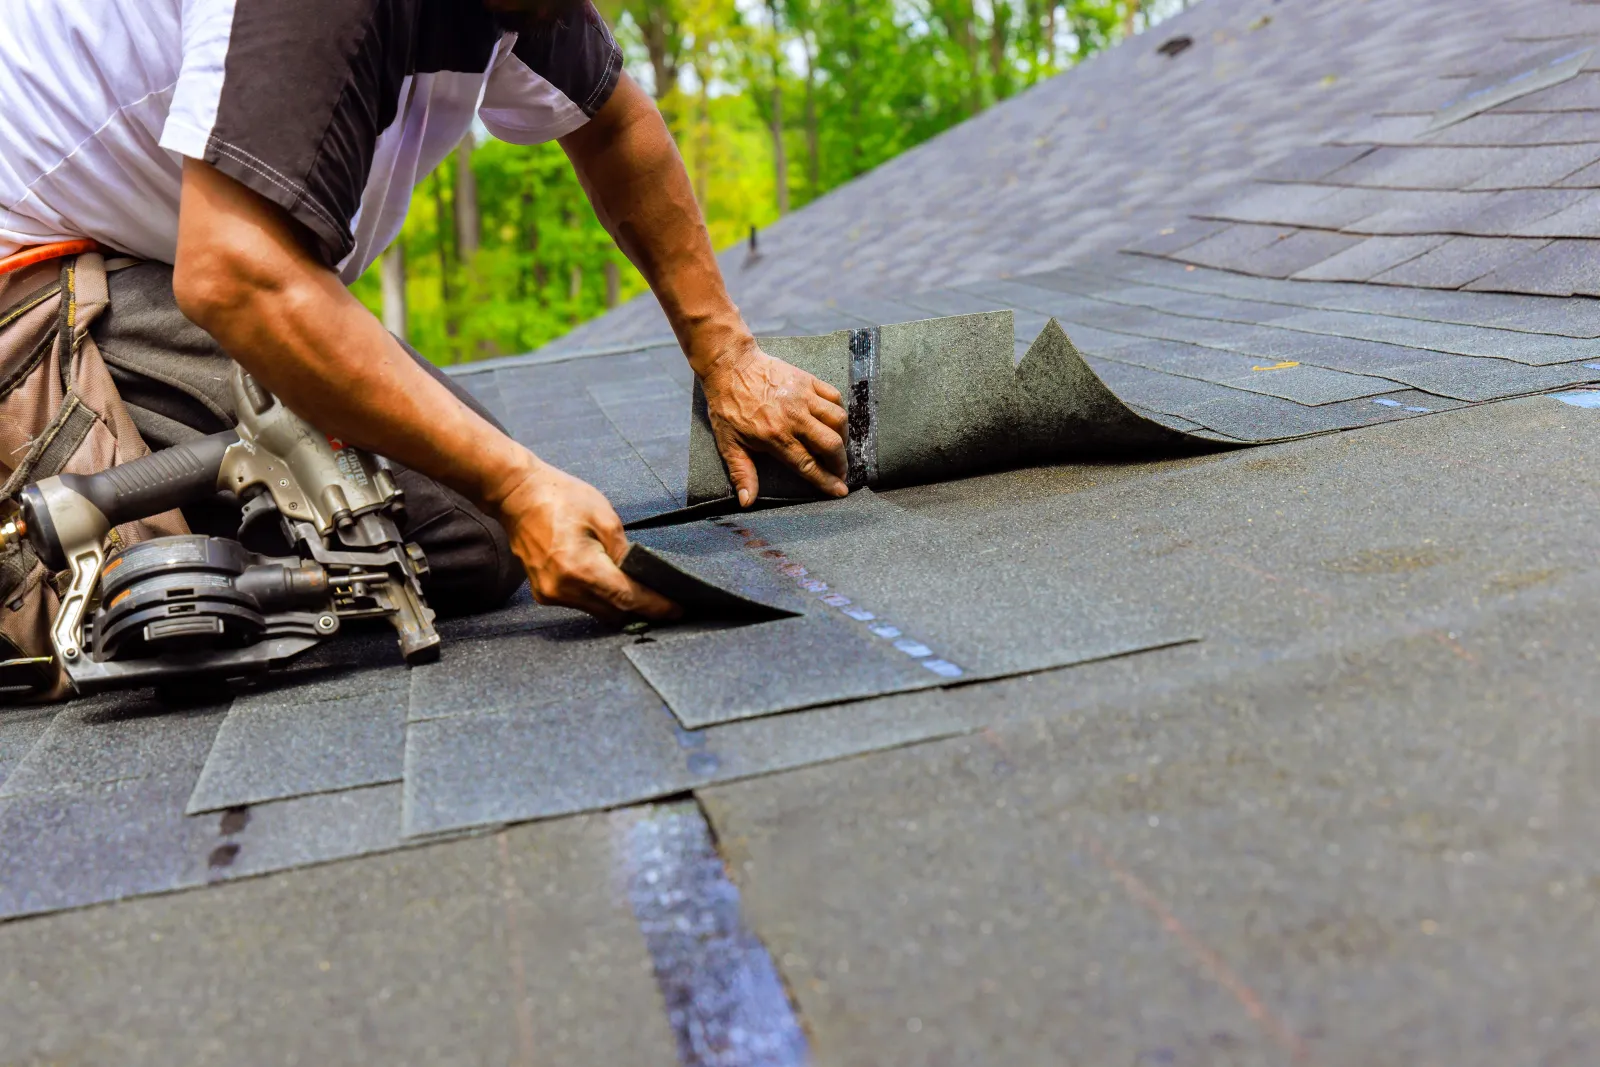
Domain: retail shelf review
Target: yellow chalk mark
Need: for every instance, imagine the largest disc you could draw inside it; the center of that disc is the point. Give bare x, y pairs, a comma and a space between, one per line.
1279, 366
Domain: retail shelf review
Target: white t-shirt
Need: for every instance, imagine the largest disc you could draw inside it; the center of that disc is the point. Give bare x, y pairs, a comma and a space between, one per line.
334, 109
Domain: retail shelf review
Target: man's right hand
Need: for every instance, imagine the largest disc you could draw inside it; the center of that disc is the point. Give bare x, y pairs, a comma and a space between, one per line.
571, 542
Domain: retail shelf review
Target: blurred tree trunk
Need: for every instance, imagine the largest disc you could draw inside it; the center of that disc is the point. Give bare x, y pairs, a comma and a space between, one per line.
613, 284
532, 281
1129, 27
999, 65
469, 231
959, 20
392, 276
662, 31
780, 153
813, 134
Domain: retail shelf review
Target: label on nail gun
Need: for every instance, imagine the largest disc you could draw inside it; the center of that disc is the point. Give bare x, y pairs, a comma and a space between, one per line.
349, 462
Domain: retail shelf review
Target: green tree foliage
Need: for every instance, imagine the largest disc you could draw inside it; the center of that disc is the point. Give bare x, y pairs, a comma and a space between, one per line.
773, 104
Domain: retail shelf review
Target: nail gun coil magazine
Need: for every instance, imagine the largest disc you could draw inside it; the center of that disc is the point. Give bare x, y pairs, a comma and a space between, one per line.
186, 595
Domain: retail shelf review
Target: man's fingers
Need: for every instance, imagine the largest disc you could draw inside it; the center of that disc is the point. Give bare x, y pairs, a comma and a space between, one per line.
742, 472
829, 414
608, 531
796, 455
629, 597
825, 445
600, 588
827, 392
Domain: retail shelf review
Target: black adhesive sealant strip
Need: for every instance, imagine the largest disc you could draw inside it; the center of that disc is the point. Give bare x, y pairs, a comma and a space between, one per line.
724, 997
861, 446
878, 627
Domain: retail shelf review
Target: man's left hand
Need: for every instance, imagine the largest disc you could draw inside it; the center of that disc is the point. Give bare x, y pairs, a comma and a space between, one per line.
761, 404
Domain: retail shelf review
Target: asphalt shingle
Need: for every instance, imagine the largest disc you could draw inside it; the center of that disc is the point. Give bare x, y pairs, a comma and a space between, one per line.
1538, 167
114, 739
1582, 219
20, 728
1424, 167
1313, 163
1371, 257
287, 743
1239, 244
550, 665
1486, 214
1582, 93
1562, 268
1459, 262
788, 665
495, 949
1443, 337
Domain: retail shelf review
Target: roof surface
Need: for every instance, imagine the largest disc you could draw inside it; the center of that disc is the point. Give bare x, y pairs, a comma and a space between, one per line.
1267, 754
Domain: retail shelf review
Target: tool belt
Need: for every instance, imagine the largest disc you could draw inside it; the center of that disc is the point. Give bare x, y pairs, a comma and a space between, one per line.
59, 413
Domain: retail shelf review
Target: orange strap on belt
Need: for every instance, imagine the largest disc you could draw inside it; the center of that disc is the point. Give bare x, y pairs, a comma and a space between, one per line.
42, 253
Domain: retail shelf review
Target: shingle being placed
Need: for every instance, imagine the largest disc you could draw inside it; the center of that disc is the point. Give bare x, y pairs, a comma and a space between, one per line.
940, 398
701, 599
805, 662
717, 678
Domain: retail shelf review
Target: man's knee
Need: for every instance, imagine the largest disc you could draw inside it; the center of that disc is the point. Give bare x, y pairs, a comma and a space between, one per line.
471, 567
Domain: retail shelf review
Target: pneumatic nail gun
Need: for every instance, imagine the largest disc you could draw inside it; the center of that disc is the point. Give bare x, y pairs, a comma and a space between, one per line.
179, 608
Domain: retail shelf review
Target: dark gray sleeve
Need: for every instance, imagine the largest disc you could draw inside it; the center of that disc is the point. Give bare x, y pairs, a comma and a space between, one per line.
574, 52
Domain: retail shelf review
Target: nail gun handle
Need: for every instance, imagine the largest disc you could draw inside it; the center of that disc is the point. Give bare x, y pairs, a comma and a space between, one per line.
71, 509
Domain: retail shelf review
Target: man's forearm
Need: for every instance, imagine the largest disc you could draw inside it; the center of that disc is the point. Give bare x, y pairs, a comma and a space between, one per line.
635, 178
243, 276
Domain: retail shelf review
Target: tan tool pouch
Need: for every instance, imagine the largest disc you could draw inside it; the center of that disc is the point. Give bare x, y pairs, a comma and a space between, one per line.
59, 413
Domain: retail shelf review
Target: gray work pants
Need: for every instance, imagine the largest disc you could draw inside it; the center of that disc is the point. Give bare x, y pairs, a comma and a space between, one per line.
174, 380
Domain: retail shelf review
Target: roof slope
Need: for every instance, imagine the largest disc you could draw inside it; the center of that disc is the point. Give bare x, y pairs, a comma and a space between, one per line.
1115, 150
1394, 624
1433, 192
1353, 823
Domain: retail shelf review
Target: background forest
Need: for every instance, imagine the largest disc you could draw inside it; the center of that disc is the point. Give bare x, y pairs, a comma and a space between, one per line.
773, 103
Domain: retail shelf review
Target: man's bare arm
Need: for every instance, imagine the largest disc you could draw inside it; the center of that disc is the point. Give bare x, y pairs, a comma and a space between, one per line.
635, 178
244, 274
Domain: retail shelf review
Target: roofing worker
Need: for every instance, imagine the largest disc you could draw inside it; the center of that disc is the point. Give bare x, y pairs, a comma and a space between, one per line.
237, 163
